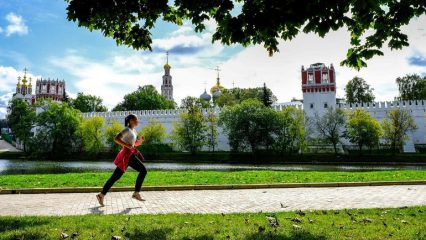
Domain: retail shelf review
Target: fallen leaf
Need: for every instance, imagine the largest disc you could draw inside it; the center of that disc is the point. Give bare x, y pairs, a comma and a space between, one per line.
273, 221
296, 227
64, 235
296, 219
74, 235
300, 213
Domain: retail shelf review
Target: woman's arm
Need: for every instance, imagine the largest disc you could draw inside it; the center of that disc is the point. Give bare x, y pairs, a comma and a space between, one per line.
120, 142
139, 141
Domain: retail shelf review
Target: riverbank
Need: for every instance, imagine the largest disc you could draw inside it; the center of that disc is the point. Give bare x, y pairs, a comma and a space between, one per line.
394, 223
248, 158
171, 178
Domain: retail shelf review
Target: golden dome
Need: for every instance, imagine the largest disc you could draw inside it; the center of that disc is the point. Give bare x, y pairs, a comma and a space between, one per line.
216, 87
19, 82
167, 66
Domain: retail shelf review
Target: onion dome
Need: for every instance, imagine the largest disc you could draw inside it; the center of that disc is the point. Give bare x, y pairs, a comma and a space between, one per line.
18, 85
167, 66
24, 80
217, 93
205, 96
216, 87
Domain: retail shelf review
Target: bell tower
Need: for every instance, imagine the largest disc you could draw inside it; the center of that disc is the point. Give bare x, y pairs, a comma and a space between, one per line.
319, 88
167, 86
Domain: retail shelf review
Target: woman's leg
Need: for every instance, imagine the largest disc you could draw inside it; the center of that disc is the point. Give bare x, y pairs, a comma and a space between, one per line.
138, 166
114, 178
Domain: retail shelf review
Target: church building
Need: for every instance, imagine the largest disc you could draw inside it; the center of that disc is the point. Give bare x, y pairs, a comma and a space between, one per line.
167, 86
45, 89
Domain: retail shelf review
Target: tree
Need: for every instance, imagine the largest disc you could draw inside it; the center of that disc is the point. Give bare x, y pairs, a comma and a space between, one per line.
248, 125
290, 130
234, 96
144, 98
363, 130
154, 132
189, 132
21, 120
92, 134
396, 126
358, 91
57, 131
110, 132
411, 87
88, 103
371, 24
211, 131
330, 126
266, 96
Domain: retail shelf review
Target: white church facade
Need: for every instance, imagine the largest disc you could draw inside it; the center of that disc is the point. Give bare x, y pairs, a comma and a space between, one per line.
318, 83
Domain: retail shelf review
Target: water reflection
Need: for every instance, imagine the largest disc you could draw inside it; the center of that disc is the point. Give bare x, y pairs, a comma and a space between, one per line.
35, 167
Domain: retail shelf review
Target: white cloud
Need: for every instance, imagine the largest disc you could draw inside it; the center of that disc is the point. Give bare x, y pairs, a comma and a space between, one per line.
16, 25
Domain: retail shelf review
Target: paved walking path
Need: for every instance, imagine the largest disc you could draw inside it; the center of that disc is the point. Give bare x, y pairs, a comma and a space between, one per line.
215, 201
6, 147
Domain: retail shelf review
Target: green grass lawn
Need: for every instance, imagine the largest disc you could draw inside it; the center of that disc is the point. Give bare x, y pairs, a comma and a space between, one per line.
163, 178
399, 223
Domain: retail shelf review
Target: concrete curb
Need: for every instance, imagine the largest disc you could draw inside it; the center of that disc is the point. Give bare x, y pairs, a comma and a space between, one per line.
209, 187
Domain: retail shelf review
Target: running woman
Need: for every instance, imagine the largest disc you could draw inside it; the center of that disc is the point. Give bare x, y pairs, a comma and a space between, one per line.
128, 156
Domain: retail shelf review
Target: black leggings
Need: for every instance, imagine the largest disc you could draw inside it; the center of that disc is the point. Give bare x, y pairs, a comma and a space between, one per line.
135, 164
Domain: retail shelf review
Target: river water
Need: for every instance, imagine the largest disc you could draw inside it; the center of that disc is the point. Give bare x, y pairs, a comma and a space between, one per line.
36, 167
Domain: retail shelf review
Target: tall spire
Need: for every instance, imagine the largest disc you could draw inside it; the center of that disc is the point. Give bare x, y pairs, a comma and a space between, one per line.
167, 65
217, 69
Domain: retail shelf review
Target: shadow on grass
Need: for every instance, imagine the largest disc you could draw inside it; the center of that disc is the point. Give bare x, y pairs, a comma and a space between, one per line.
22, 224
299, 235
156, 234
16, 224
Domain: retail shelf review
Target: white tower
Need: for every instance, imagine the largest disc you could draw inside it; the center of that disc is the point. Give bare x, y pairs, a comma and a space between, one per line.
167, 86
319, 89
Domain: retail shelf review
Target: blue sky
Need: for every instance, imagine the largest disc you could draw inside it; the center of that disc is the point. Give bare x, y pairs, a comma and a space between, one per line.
35, 34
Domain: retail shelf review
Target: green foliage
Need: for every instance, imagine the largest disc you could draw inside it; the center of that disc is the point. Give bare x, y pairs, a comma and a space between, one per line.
110, 132
234, 96
92, 134
411, 87
363, 130
358, 91
330, 126
189, 132
290, 131
21, 120
211, 130
6, 137
154, 132
266, 96
57, 130
144, 98
248, 125
371, 24
396, 126
88, 103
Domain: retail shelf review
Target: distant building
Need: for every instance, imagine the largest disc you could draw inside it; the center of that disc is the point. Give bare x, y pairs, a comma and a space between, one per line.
50, 89
318, 88
167, 86
45, 89
24, 90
